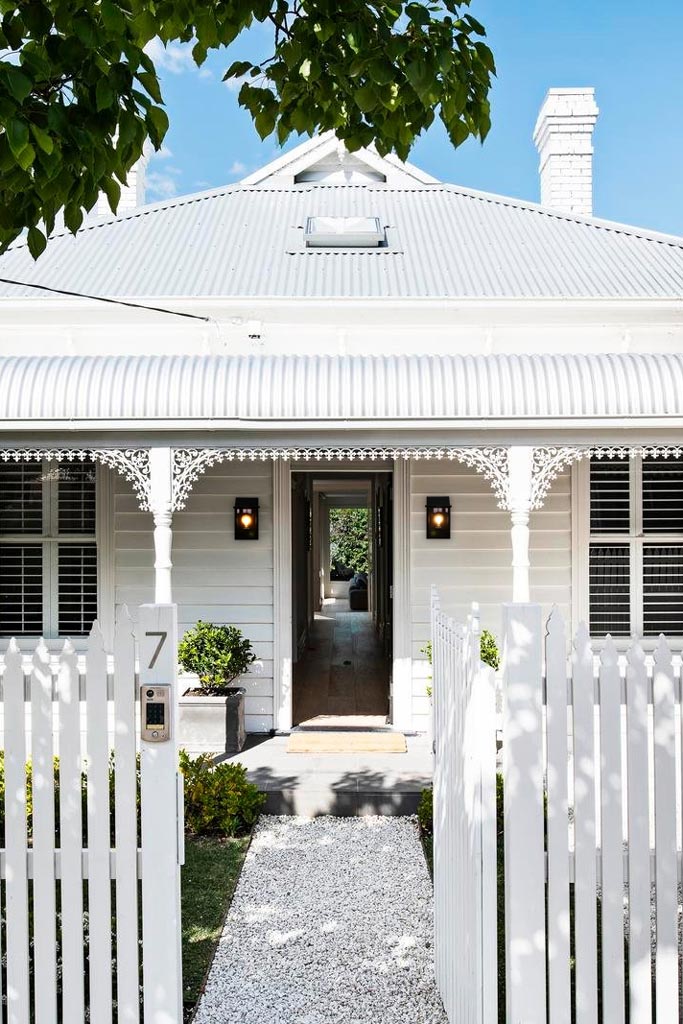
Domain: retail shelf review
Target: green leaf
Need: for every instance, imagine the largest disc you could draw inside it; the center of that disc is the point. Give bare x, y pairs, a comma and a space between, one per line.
17, 136
418, 14
150, 82
43, 139
73, 216
112, 190
458, 132
113, 17
19, 84
365, 98
264, 122
157, 122
324, 30
104, 95
36, 242
237, 69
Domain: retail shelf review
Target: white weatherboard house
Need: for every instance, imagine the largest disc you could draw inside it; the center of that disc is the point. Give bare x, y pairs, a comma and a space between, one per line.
344, 329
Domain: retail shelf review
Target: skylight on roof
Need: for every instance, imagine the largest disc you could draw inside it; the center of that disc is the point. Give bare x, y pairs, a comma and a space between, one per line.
345, 232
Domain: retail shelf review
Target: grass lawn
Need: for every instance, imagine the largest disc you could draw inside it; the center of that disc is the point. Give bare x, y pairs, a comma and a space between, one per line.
212, 867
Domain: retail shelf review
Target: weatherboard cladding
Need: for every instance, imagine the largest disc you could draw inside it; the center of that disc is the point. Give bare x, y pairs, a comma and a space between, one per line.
236, 242
339, 388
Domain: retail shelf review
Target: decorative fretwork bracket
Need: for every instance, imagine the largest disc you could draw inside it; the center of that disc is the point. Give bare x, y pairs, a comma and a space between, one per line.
190, 463
549, 462
131, 463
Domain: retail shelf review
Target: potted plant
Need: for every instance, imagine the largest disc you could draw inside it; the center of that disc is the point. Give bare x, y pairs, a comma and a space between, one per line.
211, 713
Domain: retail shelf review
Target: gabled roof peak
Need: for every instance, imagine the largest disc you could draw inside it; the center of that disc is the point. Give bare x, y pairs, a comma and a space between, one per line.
325, 159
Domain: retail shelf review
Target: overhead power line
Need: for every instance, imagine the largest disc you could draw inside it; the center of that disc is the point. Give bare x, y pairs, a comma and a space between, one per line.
103, 298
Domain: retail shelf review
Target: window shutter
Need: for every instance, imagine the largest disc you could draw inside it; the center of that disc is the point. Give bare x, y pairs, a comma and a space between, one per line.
77, 588
21, 565
21, 498
76, 498
21, 589
662, 496
610, 497
610, 601
663, 589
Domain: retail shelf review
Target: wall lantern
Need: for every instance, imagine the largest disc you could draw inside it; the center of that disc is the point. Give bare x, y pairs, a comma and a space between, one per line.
438, 518
246, 518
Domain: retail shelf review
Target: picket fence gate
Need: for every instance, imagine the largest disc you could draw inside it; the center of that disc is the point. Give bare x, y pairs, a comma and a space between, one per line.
74, 893
592, 742
463, 694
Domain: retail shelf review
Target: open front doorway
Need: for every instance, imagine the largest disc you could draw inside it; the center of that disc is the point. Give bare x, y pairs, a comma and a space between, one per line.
341, 599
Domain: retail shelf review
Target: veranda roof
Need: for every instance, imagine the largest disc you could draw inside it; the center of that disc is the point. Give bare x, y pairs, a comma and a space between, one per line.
265, 391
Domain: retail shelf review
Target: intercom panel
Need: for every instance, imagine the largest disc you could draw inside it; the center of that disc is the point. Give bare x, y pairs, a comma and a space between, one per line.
155, 713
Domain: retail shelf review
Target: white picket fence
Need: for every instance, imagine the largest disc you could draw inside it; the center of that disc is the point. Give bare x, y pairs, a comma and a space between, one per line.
593, 790
73, 946
605, 735
464, 821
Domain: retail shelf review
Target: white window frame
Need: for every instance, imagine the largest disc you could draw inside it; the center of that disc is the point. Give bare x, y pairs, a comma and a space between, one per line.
104, 543
634, 539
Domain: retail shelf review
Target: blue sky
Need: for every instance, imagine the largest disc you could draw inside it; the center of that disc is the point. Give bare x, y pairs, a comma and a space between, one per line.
631, 53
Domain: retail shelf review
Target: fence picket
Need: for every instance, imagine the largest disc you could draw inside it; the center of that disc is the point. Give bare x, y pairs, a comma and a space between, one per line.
559, 1001
611, 837
666, 867
71, 835
585, 915
99, 887
16, 884
464, 821
489, 831
525, 967
43, 819
638, 837
125, 787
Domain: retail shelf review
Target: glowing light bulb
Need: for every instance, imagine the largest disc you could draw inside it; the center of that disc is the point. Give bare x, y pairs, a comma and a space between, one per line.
439, 519
246, 520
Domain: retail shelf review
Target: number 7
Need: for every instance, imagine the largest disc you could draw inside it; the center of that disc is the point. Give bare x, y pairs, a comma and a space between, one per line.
162, 640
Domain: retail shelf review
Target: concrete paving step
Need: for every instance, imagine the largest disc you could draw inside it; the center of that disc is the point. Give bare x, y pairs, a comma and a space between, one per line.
338, 784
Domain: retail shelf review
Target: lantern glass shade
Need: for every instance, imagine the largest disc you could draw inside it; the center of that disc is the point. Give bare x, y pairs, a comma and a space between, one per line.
438, 518
246, 519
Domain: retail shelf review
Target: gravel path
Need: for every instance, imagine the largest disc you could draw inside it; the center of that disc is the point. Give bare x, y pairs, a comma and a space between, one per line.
331, 922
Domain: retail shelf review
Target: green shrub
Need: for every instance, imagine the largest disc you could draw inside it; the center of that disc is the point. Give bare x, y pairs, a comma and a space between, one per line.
218, 654
218, 798
425, 810
349, 539
425, 817
488, 650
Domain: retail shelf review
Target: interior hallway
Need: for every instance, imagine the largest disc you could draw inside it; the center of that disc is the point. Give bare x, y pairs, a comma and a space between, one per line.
343, 671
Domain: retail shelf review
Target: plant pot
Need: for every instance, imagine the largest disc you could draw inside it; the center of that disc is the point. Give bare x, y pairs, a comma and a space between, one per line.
212, 724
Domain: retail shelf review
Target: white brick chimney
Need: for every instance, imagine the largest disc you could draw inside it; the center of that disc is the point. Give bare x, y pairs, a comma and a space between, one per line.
564, 139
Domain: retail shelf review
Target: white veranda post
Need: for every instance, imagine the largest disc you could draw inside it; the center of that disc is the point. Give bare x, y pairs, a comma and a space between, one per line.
282, 562
520, 467
161, 504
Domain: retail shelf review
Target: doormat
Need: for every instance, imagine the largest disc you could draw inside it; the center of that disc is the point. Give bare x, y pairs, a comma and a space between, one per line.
346, 743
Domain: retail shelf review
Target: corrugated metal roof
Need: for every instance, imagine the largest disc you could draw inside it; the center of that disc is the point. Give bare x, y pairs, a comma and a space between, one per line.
447, 242
339, 388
